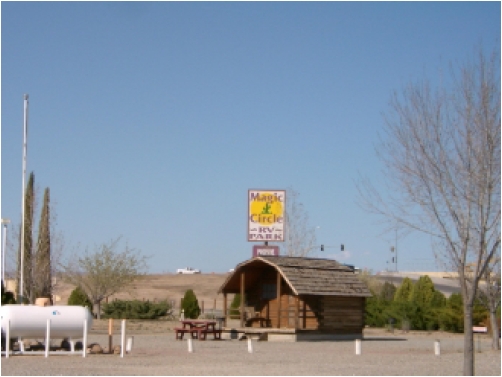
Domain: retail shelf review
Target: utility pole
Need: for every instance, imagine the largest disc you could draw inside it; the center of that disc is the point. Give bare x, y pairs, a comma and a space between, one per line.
4, 246
25, 147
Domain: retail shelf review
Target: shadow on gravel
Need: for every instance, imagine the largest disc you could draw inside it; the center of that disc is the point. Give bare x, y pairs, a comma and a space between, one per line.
380, 339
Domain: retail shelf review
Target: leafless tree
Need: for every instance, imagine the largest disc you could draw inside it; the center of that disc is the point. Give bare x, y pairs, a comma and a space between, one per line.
300, 240
105, 271
441, 155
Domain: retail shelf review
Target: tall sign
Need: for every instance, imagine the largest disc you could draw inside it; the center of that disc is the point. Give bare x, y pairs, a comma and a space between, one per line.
266, 211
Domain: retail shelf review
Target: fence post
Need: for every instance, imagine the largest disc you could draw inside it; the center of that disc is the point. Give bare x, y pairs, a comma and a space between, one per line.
122, 338
110, 335
250, 345
190, 345
358, 346
437, 348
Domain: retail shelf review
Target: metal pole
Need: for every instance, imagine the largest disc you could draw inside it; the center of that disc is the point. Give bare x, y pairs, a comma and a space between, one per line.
25, 137
396, 249
4, 246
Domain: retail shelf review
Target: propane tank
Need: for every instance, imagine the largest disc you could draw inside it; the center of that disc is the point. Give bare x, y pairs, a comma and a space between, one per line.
30, 321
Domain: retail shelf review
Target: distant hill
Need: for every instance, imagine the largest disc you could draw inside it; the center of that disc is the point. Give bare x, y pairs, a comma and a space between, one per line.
165, 287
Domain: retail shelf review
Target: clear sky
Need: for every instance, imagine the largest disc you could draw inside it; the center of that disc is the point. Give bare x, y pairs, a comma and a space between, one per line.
152, 120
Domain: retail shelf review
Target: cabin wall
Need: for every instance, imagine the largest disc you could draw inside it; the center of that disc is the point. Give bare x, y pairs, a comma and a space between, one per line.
342, 315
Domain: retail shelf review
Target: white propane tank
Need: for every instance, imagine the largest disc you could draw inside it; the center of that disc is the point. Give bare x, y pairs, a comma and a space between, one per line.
30, 321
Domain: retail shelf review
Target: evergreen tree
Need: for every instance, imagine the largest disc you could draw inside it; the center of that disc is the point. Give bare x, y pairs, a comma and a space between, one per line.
235, 305
423, 291
42, 270
388, 291
403, 293
78, 297
191, 305
29, 198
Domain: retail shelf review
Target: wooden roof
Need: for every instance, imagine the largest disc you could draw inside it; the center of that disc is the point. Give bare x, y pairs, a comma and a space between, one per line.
305, 276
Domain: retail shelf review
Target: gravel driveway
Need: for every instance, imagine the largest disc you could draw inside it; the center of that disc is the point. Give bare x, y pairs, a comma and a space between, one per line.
385, 354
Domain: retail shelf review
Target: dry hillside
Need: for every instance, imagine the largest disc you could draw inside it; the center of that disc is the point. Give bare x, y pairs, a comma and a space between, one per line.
165, 287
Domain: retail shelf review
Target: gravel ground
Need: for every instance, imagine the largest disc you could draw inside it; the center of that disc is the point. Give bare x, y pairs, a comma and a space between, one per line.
156, 354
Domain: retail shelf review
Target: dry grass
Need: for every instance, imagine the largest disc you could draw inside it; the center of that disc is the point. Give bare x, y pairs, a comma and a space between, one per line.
164, 287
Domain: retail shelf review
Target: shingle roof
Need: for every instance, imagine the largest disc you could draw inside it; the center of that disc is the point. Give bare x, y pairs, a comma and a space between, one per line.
311, 276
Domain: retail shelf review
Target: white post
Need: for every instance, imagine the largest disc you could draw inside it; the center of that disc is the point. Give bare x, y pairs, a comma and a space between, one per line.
25, 137
48, 338
122, 340
437, 348
190, 345
358, 346
7, 340
84, 341
182, 317
250, 345
130, 342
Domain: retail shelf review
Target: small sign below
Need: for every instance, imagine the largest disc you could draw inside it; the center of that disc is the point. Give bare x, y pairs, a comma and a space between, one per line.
264, 251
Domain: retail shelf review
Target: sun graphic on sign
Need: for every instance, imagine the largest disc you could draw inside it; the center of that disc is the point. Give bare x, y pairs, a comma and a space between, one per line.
266, 209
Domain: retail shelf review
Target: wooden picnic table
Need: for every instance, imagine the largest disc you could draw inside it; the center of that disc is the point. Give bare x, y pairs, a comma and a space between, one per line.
198, 329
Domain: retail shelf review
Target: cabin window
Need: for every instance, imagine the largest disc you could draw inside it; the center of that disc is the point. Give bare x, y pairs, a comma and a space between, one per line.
268, 291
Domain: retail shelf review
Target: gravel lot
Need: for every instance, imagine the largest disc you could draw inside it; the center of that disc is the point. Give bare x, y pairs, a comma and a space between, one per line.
157, 354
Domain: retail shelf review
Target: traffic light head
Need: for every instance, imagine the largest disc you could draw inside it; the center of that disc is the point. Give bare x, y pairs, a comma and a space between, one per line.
322, 247
342, 247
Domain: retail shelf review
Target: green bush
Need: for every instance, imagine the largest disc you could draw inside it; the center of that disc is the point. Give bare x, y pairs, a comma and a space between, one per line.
78, 297
235, 306
7, 297
135, 309
190, 305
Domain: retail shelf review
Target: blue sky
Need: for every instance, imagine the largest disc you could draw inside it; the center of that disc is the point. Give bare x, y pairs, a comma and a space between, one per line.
151, 121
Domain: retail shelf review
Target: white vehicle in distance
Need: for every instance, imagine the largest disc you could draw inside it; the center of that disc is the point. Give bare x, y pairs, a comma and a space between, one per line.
188, 270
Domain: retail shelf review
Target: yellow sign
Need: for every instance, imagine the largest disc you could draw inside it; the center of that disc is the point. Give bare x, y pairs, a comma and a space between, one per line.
266, 215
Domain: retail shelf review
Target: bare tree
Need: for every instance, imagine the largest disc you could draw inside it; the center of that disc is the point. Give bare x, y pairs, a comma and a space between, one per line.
105, 271
489, 295
441, 157
300, 239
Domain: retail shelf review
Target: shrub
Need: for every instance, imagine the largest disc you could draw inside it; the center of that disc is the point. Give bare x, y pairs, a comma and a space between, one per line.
78, 297
191, 305
7, 297
135, 309
235, 306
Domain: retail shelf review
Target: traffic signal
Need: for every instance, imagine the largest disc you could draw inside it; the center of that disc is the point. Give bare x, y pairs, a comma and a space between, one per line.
322, 247
342, 247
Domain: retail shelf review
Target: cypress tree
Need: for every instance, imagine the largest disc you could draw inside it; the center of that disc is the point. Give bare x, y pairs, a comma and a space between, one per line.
42, 269
191, 305
29, 199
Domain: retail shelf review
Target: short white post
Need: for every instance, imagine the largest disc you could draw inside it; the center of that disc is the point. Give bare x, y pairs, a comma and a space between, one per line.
182, 317
358, 346
7, 340
122, 340
130, 342
250, 345
48, 338
84, 341
190, 345
437, 348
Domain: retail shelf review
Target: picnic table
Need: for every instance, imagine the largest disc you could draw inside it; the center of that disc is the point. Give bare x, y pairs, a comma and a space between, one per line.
198, 329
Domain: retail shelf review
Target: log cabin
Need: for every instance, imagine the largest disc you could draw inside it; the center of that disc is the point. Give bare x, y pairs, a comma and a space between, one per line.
292, 298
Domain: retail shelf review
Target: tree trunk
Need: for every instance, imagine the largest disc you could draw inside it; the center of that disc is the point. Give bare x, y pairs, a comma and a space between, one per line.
97, 309
495, 330
468, 341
